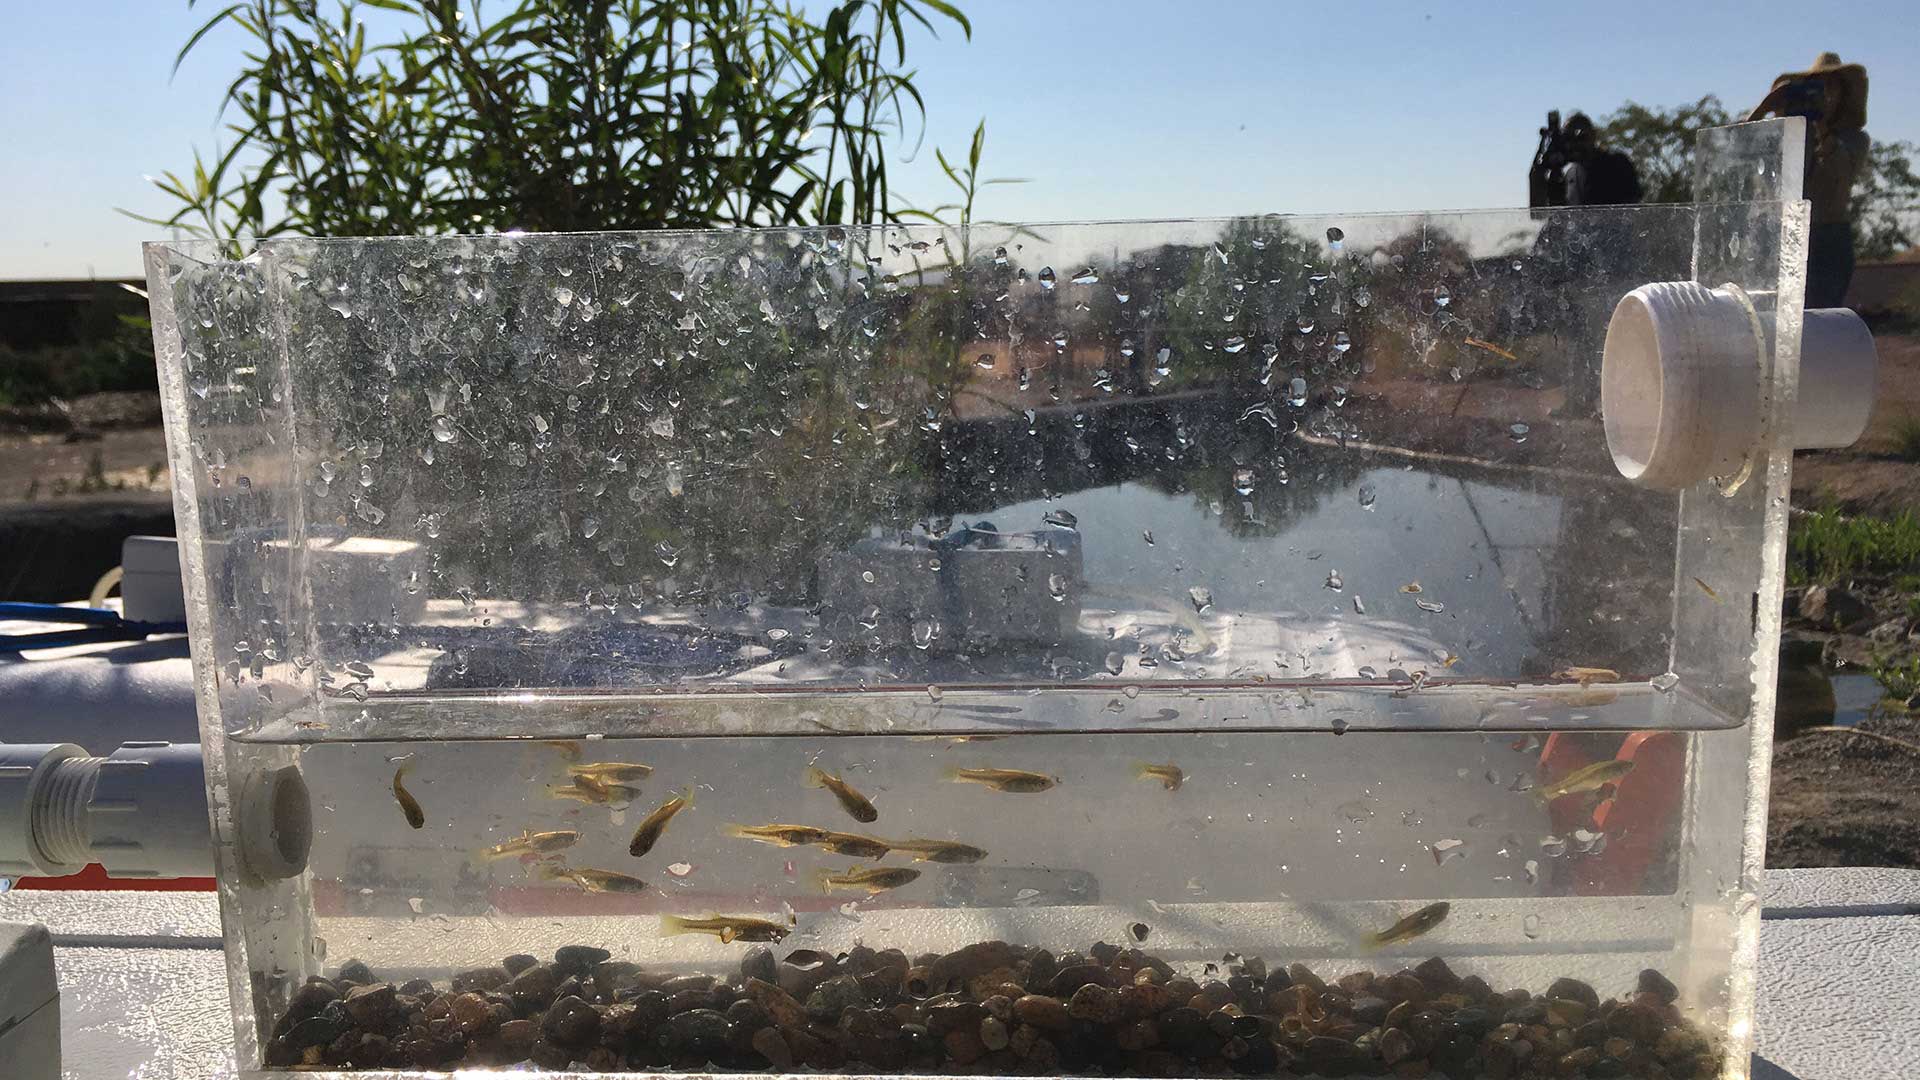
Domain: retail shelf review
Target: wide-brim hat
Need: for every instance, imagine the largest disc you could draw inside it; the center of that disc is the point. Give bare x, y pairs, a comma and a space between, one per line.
1853, 77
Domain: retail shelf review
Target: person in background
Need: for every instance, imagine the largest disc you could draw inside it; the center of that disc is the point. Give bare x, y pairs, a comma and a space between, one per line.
1832, 96
1597, 176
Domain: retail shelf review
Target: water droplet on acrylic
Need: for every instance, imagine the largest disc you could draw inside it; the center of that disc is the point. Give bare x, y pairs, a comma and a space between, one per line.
1664, 682
1367, 495
1518, 432
1432, 606
676, 483
1341, 342
589, 526
1046, 277
1057, 585
1086, 277
1202, 598
1233, 344
443, 429
1115, 663
924, 632
1447, 850
1335, 236
999, 256
562, 295
1442, 295
1243, 481
1553, 846
1334, 582
984, 361
1304, 324
1061, 519
1530, 926
1297, 392
1355, 811
662, 426
1359, 607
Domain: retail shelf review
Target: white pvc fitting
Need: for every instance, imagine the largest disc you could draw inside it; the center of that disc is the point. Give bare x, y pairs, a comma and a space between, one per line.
1681, 379
140, 812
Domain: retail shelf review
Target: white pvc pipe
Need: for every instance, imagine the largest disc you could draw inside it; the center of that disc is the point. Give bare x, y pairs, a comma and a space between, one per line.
1680, 383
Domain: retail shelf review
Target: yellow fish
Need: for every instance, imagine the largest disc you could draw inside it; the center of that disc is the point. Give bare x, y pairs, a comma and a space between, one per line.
856, 805
611, 772
940, 851
1170, 776
655, 823
1019, 781
852, 844
1491, 347
588, 790
780, 835
409, 805
728, 928
533, 843
606, 881
567, 747
1586, 676
873, 880
1591, 778
1410, 927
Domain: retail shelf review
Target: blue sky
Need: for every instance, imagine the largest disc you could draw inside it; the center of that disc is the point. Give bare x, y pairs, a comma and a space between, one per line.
1116, 109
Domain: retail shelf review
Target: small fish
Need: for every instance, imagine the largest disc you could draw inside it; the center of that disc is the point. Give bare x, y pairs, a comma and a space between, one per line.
1706, 588
588, 790
1139, 931
873, 880
1169, 775
1491, 347
1018, 781
856, 805
611, 772
606, 881
852, 845
1411, 927
409, 805
655, 823
940, 851
1591, 778
728, 928
533, 843
782, 835
567, 747
1587, 675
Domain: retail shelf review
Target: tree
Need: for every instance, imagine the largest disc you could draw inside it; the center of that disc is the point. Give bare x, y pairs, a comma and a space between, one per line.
558, 115
1660, 142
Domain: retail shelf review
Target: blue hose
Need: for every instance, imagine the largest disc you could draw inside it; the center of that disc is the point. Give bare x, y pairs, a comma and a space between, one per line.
90, 626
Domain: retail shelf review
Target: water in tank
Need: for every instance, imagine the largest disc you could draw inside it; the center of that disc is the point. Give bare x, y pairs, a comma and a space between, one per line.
1142, 649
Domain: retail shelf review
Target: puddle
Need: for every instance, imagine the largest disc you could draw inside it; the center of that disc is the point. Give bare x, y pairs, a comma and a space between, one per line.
1812, 696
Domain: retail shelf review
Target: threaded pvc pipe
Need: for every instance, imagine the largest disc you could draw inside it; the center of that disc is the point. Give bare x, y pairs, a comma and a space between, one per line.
59, 818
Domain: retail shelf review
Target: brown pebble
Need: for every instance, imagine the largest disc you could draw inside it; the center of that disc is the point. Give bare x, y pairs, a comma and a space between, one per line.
1049, 1013
770, 1044
1652, 982
993, 1033
1574, 990
988, 983
472, 1014
1355, 982
1070, 979
1576, 1060
370, 1004
1437, 976
1043, 1056
548, 1056
1637, 1022
1562, 1012
570, 1022
1095, 1003
1415, 1069
1159, 1063
1619, 1048
786, 1012
1000, 1006
1180, 988
1302, 975
1022, 1040
1394, 1046
1145, 999
490, 978
1677, 1045
963, 1047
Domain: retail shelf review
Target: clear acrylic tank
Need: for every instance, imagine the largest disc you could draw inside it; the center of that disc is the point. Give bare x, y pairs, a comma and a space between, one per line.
1251, 654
